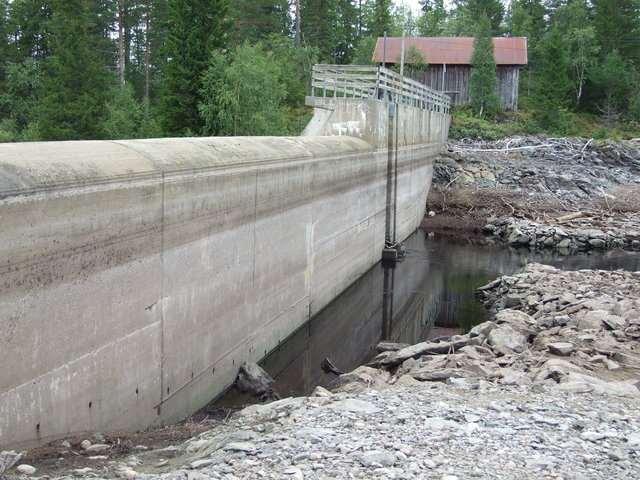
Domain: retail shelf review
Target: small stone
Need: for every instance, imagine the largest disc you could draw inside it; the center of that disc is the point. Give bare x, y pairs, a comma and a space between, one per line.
321, 392
97, 447
240, 447
561, 348
85, 444
25, 469
376, 458
65, 444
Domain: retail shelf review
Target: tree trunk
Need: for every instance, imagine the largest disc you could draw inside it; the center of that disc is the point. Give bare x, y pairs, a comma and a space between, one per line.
147, 54
121, 42
298, 26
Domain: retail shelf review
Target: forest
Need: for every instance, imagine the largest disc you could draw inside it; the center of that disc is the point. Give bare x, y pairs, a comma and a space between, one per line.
114, 69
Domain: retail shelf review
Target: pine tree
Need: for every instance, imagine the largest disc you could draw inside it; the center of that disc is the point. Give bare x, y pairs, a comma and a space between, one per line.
256, 20
76, 78
195, 29
617, 23
483, 81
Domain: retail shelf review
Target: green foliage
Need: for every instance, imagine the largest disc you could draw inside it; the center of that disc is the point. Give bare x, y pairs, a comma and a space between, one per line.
74, 82
196, 28
126, 117
415, 62
483, 81
432, 22
617, 23
553, 87
468, 13
363, 53
614, 79
243, 93
19, 98
526, 19
579, 37
256, 20
381, 20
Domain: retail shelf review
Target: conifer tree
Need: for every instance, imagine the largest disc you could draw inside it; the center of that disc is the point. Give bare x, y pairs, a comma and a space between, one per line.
256, 20
29, 23
76, 79
381, 21
195, 29
319, 18
483, 82
617, 23
552, 84
469, 12
432, 21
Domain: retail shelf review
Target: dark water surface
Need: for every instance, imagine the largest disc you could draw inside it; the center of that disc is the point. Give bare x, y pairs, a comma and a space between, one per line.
431, 292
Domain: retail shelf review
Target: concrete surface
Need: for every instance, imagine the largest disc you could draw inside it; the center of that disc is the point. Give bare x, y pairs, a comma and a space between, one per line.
136, 276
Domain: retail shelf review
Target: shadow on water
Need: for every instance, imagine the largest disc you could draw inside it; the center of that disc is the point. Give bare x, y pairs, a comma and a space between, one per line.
430, 293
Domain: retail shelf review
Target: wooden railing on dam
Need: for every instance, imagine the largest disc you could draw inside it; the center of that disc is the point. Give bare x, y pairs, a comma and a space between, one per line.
357, 81
137, 276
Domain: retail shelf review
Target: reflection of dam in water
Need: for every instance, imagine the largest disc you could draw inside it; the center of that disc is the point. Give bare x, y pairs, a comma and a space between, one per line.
433, 286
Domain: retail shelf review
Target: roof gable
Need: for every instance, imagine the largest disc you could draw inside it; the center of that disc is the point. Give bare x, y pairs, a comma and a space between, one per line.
452, 50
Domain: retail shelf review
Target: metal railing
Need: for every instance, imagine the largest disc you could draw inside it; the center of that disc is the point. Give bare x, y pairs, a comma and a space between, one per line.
361, 81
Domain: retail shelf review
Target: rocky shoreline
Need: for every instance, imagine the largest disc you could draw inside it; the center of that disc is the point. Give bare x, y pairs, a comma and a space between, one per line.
568, 195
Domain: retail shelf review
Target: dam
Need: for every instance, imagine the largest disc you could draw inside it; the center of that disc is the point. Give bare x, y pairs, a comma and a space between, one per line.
137, 276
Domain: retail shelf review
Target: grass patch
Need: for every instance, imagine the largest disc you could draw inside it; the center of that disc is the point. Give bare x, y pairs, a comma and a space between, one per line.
466, 125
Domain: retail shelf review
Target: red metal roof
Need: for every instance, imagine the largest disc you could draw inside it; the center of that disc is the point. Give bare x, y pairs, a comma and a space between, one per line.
453, 50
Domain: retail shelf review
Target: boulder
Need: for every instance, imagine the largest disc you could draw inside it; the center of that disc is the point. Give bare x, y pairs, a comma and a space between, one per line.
482, 329
505, 340
253, 379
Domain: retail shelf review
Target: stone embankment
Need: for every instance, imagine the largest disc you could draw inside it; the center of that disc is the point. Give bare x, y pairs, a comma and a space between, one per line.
577, 235
547, 389
519, 187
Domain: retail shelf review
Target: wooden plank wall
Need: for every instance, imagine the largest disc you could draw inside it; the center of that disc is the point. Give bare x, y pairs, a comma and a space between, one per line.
456, 83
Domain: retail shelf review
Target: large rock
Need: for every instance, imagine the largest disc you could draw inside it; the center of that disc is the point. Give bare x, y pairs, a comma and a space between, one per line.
506, 340
8, 459
253, 379
592, 320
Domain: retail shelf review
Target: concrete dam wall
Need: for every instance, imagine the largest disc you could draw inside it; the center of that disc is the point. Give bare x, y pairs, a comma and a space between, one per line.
137, 276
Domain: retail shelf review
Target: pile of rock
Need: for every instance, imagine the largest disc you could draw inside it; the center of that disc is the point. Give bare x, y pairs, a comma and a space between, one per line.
569, 170
577, 237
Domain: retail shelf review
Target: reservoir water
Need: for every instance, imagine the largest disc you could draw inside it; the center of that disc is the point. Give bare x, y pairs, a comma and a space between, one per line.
430, 293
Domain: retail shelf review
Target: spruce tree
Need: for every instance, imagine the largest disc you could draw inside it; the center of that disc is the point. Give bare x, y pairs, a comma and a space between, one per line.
195, 29
382, 21
483, 81
617, 23
552, 87
432, 21
256, 20
469, 12
76, 78
319, 18
29, 23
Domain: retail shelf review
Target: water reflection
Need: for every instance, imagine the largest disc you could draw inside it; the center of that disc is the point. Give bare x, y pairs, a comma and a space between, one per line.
432, 288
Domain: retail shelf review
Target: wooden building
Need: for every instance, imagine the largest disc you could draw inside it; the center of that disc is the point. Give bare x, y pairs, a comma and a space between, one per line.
449, 64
